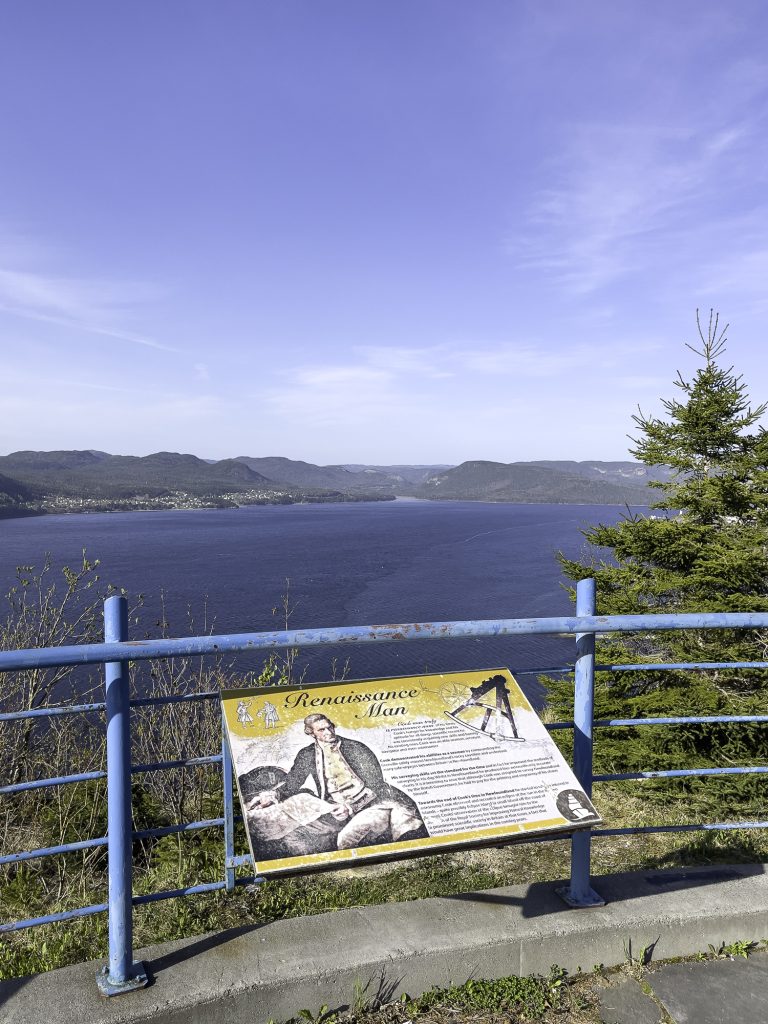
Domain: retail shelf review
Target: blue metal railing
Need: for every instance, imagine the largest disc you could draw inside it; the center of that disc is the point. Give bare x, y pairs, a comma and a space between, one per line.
122, 974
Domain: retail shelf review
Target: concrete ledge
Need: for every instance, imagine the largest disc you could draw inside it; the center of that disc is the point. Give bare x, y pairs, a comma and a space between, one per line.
253, 974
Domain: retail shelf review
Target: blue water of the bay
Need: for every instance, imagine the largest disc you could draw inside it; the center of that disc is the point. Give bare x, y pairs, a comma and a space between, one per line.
346, 564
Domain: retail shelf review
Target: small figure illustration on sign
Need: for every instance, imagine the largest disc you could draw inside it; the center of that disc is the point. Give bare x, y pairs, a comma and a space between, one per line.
244, 716
269, 714
574, 805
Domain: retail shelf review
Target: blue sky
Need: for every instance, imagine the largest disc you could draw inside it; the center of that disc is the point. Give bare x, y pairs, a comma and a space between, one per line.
382, 231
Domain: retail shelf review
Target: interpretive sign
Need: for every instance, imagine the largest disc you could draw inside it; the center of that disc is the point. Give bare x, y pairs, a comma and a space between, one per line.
337, 773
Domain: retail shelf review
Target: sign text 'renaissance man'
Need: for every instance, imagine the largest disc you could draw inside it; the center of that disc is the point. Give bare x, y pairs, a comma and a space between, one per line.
377, 700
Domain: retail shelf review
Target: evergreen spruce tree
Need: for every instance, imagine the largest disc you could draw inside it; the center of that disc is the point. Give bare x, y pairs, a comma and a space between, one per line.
703, 548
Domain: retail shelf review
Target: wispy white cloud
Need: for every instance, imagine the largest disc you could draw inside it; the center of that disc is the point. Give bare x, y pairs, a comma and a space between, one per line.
70, 297
363, 389
80, 325
740, 272
332, 378
618, 197
94, 306
624, 198
52, 379
171, 421
524, 360
432, 361
333, 395
530, 359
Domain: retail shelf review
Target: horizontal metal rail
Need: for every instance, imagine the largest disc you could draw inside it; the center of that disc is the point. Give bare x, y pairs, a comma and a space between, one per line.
137, 901
605, 723
244, 860
691, 719
186, 762
62, 709
688, 720
720, 826
138, 769
673, 666
87, 844
174, 698
239, 861
140, 650
170, 830
170, 894
64, 915
61, 780
53, 851
139, 702
680, 773
190, 762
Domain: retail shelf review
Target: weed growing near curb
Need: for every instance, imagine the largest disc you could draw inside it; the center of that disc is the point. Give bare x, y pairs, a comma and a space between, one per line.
556, 999
510, 999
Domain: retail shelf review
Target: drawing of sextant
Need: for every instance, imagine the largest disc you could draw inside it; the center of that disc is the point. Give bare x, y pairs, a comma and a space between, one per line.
495, 721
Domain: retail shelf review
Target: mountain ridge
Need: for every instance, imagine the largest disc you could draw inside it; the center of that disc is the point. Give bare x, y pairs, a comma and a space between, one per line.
523, 482
53, 479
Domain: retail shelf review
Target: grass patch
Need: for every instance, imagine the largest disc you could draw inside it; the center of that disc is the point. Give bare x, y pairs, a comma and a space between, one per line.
528, 997
555, 999
508, 1000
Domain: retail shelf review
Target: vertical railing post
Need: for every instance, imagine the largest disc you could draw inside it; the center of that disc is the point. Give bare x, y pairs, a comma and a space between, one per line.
579, 893
122, 974
229, 812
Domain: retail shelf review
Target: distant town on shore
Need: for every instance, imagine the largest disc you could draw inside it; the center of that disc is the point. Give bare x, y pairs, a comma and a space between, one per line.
35, 483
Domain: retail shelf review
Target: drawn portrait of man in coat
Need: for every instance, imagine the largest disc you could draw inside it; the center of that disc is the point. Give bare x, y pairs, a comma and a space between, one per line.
334, 796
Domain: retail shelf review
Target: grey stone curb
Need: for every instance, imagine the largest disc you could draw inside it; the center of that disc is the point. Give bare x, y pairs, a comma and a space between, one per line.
255, 974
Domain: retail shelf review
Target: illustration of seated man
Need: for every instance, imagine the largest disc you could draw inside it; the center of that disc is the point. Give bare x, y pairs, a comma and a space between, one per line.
298, 826
349, 796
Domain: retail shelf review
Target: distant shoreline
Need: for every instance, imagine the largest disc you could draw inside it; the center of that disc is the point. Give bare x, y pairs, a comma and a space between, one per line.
21, 513
28, 513
405, 499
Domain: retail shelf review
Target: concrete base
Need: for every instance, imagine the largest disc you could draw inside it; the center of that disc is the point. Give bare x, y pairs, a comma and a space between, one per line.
137, 978
253, 974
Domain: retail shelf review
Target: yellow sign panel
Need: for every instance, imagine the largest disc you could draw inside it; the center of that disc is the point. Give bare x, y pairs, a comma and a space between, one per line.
331, 774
